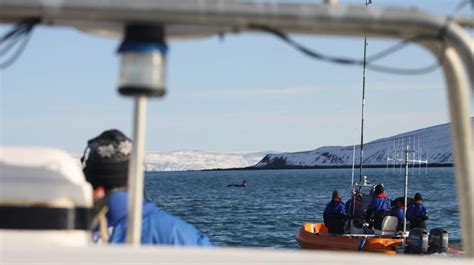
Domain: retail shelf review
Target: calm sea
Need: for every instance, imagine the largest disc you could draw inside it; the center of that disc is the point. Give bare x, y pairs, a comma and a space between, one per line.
268, 212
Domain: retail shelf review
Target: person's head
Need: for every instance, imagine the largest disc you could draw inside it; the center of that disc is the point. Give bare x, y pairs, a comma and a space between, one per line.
379, 189
418, 197
357, 195
399, 203
106, 160
336, 195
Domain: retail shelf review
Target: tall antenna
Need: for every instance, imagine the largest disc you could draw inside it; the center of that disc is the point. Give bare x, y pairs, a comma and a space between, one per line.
407, 162
419, 157
413, 154
419, 154
395, 152
353, 159
427, 157
367, 2
401, 153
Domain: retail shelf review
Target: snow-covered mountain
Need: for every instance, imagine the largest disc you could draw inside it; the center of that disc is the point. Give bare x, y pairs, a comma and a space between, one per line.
197, 160
432, 143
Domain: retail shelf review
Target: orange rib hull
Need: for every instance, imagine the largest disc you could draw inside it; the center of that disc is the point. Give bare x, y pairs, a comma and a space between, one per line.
315, 236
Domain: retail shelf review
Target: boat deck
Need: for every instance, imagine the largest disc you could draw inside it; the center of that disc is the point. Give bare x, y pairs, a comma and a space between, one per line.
174, 255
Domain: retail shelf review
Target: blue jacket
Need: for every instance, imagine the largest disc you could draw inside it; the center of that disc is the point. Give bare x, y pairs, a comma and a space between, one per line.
397, 212
358, 209
379, 202
416, 212
335, 209
158, 227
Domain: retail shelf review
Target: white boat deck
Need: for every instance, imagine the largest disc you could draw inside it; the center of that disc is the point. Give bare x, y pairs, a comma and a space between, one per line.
174, 255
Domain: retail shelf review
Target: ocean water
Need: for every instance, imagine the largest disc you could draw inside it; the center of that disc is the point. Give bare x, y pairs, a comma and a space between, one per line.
269, 211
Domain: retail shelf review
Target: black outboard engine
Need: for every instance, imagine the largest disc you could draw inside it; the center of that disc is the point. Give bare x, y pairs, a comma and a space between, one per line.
417, 242
438, 241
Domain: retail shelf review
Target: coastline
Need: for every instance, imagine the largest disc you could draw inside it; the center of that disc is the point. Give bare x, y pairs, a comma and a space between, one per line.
313, 167
434, 165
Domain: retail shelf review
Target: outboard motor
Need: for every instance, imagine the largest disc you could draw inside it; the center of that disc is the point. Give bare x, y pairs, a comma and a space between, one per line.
44, 198
417, 242
438, 241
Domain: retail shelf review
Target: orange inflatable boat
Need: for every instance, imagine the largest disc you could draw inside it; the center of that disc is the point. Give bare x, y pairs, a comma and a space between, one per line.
316, 236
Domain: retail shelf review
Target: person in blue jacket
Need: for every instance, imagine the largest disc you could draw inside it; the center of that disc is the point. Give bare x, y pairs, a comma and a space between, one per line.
417, 213
335, 214
105, 162
357, 211
398, 210
379, 206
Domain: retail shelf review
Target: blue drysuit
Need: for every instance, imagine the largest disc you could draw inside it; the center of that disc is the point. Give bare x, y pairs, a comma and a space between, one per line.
398, 212
379, 202
417, 215
158, 227
377, 208
335, 216
357, 214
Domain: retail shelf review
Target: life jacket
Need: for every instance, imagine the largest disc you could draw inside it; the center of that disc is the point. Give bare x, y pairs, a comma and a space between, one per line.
358, 203
379, 202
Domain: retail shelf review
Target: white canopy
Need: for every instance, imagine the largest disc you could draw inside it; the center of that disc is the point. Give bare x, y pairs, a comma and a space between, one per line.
42, 176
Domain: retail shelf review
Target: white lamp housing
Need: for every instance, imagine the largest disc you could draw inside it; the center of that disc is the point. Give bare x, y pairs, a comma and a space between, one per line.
143, 61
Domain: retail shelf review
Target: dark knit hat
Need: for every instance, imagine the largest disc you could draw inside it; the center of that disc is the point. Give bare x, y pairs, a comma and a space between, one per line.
418, 197
335, 194
379, 189
106, 159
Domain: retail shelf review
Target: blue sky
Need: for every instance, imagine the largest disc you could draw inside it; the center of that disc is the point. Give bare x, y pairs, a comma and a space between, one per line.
248, 92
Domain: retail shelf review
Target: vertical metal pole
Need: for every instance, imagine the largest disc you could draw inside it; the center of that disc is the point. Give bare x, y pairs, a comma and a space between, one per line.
463, 146
367, 2
353, 160
413, 155
136, 174
401, 153
396, 154
405, 191
427, 155
362, 119
420, 157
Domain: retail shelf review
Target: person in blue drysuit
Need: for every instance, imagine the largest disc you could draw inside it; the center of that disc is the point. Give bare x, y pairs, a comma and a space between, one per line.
417, 213
335, 214
379, 207
105, 162
357, 212
398, 210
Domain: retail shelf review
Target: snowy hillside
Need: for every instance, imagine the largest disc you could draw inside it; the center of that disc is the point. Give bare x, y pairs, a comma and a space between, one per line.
432, 143
197, 160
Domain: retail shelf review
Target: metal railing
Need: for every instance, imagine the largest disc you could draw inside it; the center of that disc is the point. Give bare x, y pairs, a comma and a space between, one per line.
449, 43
